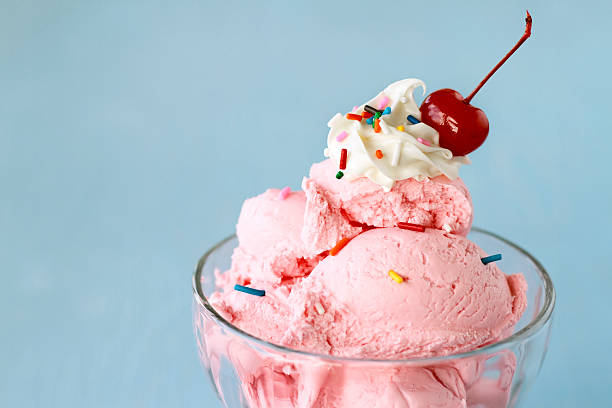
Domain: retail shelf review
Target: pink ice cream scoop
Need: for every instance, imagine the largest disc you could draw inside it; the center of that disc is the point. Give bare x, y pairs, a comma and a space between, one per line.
448, 301
271, 219
337, 209
269, 232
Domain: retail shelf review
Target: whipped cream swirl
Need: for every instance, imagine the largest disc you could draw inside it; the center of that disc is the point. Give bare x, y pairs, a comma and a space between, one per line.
408, 150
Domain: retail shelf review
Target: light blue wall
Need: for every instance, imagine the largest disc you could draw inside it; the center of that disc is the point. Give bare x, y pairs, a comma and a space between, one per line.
130, 132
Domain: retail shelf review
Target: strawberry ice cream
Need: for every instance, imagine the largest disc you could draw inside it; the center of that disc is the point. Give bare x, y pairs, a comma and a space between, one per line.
334, 209
447, 302
269, 231
369, 260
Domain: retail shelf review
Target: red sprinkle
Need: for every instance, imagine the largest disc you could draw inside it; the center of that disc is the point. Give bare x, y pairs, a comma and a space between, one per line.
350, 221
353, 116
411, 227
377, 125
343, 154
379, 154
366, 115
341, 244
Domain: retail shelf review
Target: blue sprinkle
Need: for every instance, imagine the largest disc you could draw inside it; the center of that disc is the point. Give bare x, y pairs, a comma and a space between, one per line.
387, 110
369, 121
492, 258
250, 291
413, 120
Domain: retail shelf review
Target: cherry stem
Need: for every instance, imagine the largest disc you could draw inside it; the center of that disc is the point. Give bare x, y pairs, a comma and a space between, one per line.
520, 42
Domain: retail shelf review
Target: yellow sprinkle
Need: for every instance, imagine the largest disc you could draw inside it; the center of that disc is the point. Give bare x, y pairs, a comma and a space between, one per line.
400, 128
395, 276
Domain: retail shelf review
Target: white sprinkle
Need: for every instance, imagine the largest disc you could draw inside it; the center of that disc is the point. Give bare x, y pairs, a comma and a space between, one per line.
287, 369
396, 154
447, 228
319, 308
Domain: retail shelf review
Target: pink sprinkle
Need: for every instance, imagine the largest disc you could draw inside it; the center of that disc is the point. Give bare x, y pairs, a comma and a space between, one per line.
341, 136
284, 193
355, 108
425, 142
383, 102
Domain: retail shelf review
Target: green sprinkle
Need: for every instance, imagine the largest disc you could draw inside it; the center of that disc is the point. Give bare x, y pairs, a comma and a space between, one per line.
339, 175
377, 115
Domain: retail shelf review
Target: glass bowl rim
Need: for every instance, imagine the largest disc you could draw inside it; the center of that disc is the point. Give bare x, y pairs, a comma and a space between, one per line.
534, 326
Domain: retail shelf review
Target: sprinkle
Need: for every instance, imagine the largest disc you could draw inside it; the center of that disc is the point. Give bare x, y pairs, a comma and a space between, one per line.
377, 125
387, 110
395, 276
353, 116
413, 120
400, 128
410, 226
284, 193
343, 154
379, 154
377, 116
341, 136
319, 308
339, 175
383, 102
355, 108
396, 154
341, 244
447, 228
492, 258
369, 121
370, 109
250, 291
366, 115
424, 141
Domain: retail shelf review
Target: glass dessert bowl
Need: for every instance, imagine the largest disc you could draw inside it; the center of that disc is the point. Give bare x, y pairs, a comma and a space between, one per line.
249, 372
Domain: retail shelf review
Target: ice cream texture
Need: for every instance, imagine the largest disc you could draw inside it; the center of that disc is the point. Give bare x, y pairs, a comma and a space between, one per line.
348, 305
386, 292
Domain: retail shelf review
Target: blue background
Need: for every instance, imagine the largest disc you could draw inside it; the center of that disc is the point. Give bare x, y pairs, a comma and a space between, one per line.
130, 133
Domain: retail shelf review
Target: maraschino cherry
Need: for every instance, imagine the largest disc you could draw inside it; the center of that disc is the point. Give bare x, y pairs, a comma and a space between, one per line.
462, 127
